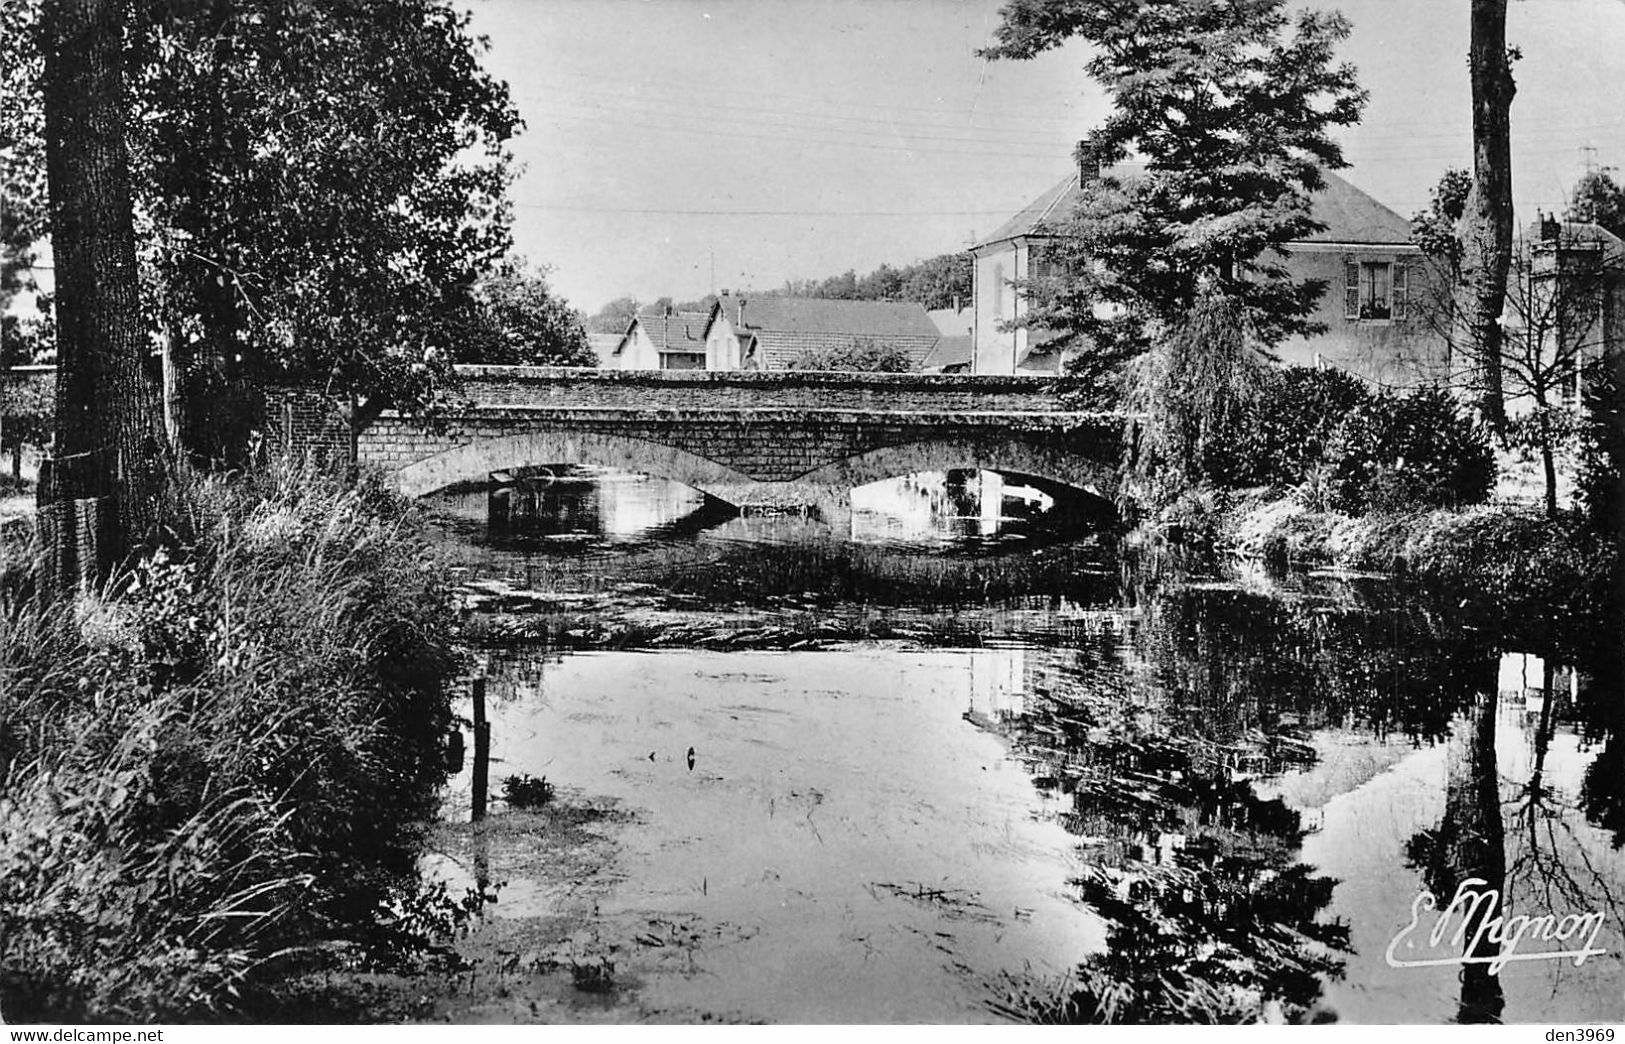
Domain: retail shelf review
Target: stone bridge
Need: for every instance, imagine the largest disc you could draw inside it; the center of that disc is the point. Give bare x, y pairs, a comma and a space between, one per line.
739, 436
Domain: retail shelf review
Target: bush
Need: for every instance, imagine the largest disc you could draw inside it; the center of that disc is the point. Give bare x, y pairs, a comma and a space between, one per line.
1341, 446
1395, 453
1285, 436
526, 791
861, 353
222, 760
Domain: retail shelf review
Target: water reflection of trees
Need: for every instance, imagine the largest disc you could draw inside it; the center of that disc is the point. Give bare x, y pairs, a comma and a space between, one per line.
1526, 847
1155, 732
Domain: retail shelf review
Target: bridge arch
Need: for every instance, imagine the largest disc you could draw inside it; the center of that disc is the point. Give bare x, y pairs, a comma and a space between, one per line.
474, 461
1049, 463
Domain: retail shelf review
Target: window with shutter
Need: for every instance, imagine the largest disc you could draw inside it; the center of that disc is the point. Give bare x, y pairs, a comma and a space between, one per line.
1402, 296
1368, 291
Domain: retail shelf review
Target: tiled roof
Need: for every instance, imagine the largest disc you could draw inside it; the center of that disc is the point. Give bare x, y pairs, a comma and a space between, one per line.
786, 327
1580, 233
1350, 215
679, 332
949, 352
777, 349
818, 315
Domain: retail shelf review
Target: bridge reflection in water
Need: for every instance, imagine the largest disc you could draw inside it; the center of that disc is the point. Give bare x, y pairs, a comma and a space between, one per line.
563, 504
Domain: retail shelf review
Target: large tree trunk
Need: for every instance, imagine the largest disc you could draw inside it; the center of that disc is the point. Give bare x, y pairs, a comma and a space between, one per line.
1486, 232
1475, 847
106, 451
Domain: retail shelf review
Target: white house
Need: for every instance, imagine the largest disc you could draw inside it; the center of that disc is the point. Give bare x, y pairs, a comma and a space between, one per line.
1372, 308
770, 332
662, 340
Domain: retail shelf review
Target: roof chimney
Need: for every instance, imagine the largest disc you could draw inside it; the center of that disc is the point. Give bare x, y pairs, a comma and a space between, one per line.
739, 318
1551, 229
1089, 164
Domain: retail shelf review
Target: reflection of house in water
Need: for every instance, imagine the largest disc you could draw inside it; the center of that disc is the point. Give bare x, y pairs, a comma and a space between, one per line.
1525, 682
542, 501
998, 687
636, 503
958, 502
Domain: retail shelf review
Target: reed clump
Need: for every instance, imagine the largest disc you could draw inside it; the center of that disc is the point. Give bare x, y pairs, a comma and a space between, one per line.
218, 764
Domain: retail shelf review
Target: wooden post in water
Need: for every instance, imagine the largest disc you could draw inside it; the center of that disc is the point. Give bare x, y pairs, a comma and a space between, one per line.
482, 750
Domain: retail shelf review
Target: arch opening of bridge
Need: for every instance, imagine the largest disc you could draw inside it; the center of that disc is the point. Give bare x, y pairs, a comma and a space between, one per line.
1065, 476
1052, 469
474, 462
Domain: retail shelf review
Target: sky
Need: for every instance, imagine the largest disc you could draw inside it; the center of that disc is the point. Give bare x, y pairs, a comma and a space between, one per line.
676, 147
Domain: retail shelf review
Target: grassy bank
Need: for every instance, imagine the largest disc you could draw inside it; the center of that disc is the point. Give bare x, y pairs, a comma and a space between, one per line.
1551, 574
216, 769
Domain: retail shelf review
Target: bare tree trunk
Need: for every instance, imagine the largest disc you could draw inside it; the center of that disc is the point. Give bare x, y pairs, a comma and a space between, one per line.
1486, 230
106, 449
176, 369
1548, 460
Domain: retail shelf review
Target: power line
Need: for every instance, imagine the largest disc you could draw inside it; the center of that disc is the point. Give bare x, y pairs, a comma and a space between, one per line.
893, 123
619, 85
888, 124
714, 131
1005, 211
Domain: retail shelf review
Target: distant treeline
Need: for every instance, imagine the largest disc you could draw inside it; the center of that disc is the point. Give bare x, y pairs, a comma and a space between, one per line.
934, 282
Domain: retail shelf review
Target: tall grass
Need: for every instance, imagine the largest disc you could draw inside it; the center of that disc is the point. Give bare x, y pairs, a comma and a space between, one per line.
220, 761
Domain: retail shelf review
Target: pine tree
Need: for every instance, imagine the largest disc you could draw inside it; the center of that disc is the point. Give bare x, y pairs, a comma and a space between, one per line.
1231, 108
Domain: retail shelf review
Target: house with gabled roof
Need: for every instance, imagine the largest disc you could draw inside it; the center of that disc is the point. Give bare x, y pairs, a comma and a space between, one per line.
663, 339
1565, 307
751, 332
1373, 309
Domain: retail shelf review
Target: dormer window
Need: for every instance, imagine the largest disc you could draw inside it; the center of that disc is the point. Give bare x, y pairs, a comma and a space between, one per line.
1374, 290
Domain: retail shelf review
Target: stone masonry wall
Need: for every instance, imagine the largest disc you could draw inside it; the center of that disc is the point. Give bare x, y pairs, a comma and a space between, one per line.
769, 426
769, 446
733, 389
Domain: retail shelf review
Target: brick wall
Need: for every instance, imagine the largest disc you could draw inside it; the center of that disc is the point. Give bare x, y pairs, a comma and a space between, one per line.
304, 422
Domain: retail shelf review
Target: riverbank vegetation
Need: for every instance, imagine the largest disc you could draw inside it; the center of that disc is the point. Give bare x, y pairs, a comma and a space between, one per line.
215, 767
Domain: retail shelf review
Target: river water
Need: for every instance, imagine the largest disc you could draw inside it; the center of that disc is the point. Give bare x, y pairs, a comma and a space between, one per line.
950, 760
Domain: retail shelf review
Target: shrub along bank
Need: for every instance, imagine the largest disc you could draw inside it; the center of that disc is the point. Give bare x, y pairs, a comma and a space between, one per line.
1346, 447
1326, 471
221, 763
